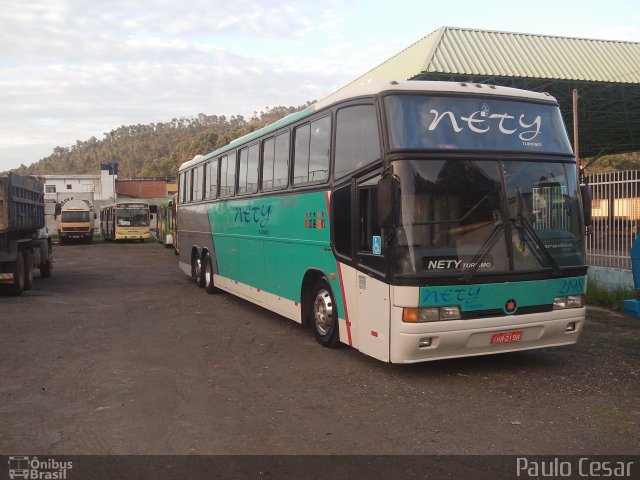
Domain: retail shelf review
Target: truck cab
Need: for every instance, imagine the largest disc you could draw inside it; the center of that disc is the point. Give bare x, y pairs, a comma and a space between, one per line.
76, 224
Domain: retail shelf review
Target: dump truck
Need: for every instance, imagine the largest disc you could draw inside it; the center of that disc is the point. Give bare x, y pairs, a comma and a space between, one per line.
24, 242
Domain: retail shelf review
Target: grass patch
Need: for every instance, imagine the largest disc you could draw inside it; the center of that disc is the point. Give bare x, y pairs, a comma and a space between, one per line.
613, 299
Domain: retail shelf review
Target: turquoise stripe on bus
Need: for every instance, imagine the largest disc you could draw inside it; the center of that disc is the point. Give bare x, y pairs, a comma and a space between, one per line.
271, 242
488, 296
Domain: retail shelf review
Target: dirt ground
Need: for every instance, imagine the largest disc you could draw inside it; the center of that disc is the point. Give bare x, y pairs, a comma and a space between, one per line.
120, 353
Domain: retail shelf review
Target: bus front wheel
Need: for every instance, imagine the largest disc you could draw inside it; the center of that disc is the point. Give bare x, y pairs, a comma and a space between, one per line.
324, 315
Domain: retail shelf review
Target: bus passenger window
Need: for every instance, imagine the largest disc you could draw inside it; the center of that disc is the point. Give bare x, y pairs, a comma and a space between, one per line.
182, 186
357, 140
248, 170
275, 167
187, 186
197, 184
227, 175
267, 163
311, 157
211, 186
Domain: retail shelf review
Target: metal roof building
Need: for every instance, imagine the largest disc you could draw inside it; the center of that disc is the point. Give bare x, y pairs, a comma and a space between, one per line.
605, 73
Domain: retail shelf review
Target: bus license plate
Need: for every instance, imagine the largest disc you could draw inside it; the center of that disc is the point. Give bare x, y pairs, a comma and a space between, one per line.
506, 337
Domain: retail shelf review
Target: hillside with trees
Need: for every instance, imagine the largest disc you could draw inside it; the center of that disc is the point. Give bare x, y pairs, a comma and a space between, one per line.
156, 149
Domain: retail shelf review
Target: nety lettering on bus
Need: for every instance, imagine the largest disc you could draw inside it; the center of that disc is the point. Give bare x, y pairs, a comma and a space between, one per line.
474, 124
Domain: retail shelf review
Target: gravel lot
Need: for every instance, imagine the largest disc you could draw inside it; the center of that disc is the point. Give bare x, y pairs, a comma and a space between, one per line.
119, 353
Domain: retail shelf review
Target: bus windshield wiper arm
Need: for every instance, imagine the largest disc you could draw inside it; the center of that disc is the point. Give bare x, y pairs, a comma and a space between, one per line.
485, 249
528, 228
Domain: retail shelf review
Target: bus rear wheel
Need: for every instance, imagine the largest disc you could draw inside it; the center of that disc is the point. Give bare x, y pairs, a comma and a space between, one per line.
196, 270
324, 315
207, 275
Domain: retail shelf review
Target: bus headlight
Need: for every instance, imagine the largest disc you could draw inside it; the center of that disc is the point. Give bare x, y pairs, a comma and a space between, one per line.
434, 314
570, 301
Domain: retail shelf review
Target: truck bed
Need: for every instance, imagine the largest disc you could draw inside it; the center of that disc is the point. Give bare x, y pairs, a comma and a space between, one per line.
21, 204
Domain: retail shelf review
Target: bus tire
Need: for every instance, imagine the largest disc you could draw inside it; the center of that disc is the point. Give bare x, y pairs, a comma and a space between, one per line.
324, 315
28, 270
17, 287
207, 274
196, 270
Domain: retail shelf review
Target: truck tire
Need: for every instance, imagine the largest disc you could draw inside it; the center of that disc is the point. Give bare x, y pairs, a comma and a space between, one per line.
17, 287
46, 266
45, 269
28, 270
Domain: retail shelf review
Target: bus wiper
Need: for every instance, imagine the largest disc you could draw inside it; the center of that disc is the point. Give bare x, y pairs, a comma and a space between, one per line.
528, 228
485, 249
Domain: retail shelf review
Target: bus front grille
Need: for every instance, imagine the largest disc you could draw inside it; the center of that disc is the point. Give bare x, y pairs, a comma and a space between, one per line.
498, 312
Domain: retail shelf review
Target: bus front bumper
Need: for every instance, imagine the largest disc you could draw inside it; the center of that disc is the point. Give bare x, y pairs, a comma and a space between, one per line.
461, 338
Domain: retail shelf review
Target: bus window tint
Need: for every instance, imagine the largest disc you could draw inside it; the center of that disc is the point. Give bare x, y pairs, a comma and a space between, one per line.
275, 167
311, 162
227, 175
212, 180
248, 170
357, 141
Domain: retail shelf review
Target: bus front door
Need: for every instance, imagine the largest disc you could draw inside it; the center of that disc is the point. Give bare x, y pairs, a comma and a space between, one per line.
374, 307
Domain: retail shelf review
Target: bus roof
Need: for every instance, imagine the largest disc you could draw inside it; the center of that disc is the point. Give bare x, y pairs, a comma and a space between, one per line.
372, 89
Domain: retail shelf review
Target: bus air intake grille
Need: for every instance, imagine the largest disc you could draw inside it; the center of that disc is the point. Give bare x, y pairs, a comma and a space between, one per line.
497, 312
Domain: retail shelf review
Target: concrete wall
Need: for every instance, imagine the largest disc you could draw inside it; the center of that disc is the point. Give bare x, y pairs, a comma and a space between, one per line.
611, 278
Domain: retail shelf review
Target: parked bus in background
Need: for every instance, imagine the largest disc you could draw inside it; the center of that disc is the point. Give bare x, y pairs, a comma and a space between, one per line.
125, 221
165, 222
411, 220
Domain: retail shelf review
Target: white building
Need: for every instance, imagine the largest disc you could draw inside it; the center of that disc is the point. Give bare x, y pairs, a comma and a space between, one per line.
95, 190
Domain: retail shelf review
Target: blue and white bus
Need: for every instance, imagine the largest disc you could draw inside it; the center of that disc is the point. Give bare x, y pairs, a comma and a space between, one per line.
412, 221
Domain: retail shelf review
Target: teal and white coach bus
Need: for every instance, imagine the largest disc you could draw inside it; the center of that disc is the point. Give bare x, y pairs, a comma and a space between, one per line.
412, 221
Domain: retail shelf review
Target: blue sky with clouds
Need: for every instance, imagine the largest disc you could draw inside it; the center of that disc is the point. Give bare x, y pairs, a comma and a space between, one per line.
72, 69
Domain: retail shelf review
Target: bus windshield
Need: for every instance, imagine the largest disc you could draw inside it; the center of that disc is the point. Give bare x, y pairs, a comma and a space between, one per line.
429, 122
75, 217
487, 216
132, 217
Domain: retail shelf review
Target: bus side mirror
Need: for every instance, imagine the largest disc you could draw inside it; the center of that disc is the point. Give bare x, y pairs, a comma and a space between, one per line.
585, 191
95, 216
57, 211
388, 202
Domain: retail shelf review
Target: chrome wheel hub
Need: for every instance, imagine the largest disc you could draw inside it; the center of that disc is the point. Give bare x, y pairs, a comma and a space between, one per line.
323, 312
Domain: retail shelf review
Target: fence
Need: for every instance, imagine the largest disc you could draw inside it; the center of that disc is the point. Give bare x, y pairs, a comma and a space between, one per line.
616, 215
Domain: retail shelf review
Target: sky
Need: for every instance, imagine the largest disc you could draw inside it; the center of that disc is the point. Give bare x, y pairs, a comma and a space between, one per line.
73, 69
